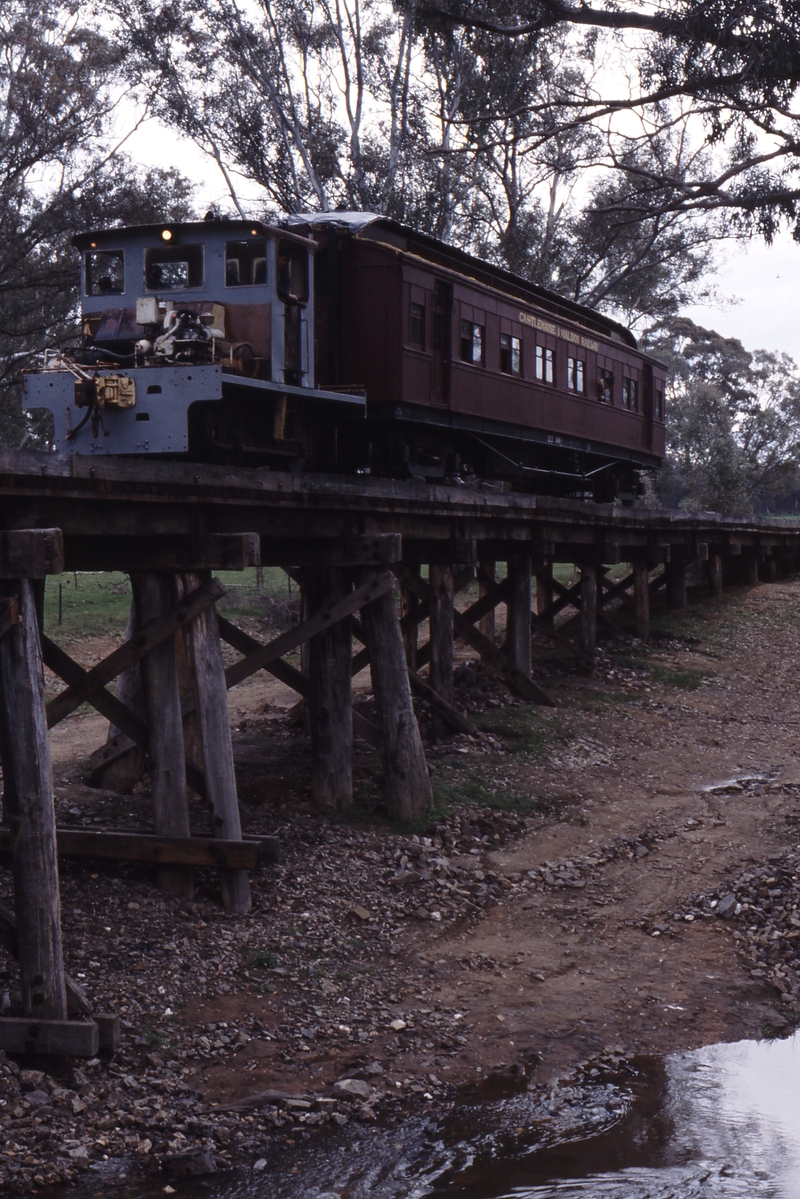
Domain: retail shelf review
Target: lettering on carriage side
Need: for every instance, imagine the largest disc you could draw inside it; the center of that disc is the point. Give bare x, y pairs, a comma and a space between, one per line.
536, 322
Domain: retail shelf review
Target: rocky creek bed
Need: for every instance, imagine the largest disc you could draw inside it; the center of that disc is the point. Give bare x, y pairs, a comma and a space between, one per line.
614, 877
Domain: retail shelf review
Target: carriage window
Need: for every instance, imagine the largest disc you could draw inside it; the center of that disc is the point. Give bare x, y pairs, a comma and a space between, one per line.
174, 268
105, 273
544, 364
630, 395
659, 405
246, 262
472, 342
510, 354
575, 371
605, 385
417, 332
292, 272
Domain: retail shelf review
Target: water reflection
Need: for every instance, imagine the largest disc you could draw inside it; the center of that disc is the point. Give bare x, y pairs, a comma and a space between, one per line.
720, 1123
727, 1126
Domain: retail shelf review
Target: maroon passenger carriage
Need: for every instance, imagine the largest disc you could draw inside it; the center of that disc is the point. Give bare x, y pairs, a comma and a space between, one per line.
238, 341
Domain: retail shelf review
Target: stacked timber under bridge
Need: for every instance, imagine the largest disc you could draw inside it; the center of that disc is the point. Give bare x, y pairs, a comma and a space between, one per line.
357, 547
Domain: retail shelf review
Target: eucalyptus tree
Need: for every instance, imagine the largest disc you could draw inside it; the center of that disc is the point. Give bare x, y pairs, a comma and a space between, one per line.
733, 432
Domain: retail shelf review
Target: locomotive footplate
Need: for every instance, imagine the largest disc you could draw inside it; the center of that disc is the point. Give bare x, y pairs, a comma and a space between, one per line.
157, 421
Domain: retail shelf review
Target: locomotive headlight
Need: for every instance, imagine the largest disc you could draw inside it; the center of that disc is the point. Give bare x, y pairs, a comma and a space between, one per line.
166, 235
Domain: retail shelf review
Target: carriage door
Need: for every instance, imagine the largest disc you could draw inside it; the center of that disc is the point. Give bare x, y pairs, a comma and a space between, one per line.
292, 287
648, 405
442, 337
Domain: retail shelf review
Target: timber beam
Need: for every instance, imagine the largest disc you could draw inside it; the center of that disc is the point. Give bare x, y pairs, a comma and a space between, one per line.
160, 851
162, 552
31, 553
464, 628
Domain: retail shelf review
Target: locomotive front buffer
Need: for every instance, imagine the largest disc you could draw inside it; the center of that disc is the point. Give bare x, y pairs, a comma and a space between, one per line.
197, 340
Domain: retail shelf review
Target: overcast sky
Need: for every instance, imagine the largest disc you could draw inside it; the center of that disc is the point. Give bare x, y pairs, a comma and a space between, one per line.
758, 285
766, 282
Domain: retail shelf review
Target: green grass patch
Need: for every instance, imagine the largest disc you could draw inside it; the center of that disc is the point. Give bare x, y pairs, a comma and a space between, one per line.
86, 604
156, 1039
684, 680
265, 959
596, 701
474, 790
90, 605
477, 790
525, 728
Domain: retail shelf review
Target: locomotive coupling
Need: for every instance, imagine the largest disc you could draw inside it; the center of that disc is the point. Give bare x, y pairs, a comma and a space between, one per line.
105, 391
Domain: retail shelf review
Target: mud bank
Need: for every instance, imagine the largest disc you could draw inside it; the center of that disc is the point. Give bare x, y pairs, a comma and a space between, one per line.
550, 915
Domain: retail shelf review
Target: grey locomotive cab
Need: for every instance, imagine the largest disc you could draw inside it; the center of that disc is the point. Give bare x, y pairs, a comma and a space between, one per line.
197, 339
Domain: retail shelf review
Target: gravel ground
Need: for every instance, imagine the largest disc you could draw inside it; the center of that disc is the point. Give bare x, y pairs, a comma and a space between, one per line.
379, 967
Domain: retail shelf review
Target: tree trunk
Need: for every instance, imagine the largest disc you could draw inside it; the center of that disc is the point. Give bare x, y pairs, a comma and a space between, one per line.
330, 696
440, 580
588, 612
544, 590
408, 604
125, 772
487, 623
30, 811
406, 778
641, 600
213, 720
518, 621
676, 585
154, 594
715, 574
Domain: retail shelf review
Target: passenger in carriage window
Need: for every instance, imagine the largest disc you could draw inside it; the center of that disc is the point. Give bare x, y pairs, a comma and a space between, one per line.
605, 385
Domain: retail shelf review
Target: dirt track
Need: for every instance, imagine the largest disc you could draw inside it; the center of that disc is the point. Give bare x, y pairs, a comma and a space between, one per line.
648, 786
633, 757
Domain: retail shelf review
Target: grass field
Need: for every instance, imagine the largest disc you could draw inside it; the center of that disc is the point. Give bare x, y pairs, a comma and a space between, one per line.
96, 605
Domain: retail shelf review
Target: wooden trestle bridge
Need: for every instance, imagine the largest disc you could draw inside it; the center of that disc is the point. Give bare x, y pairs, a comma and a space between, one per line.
351, 543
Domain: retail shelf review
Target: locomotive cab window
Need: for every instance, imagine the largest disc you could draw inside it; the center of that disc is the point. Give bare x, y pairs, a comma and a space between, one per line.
510, 354
292, 272
575, 374
545, 367
104, 272
174, 268
630, 394
246, 263
605, 385
417, 326
472, 339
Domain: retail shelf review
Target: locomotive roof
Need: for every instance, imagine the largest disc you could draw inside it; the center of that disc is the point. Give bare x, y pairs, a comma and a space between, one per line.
356, 223
224, 227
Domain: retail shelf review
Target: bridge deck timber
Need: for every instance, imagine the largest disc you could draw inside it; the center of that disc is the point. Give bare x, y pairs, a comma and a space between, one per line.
104, 505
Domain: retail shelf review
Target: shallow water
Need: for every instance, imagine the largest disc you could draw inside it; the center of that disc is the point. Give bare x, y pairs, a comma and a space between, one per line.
719, 1123
726, 1123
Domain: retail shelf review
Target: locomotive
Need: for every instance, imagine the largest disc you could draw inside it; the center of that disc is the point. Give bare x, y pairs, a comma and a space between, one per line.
347, 342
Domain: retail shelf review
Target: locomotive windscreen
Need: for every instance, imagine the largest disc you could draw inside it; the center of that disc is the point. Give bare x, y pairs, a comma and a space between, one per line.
246, 263
174, 268
105, 272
